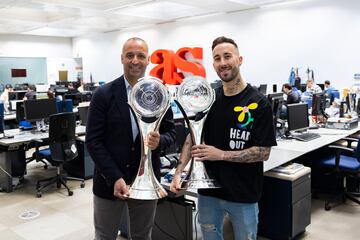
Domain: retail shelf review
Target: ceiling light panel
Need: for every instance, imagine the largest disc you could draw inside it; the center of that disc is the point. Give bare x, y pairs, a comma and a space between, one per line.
215, 5
99, 5
47, 31
163, 10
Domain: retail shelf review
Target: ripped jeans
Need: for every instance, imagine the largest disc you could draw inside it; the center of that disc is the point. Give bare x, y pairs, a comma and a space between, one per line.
243, 216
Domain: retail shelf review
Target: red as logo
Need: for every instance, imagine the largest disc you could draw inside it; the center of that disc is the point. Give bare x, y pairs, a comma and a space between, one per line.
169, 63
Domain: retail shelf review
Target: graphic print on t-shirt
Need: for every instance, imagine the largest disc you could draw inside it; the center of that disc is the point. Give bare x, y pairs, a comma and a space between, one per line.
240, 135
245, 111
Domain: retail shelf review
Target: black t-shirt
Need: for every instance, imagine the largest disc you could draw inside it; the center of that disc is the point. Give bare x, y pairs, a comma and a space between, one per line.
235, 123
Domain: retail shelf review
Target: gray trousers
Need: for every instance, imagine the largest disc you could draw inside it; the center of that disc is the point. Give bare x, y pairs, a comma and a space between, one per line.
107, 215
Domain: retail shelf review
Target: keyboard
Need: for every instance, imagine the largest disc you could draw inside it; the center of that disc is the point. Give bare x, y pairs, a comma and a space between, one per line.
307, 136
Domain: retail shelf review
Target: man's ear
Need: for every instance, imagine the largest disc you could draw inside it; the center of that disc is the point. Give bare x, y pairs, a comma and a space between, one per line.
240, 60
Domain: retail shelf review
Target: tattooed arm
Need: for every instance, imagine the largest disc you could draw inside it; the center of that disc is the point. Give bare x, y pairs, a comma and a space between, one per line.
253, 154
249, 155
185, 156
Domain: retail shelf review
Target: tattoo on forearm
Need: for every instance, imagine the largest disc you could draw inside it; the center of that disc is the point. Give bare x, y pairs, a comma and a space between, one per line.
185, 155
250, 155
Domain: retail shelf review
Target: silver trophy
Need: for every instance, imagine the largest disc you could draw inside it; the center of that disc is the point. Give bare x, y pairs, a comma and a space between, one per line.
196, 95
149, 100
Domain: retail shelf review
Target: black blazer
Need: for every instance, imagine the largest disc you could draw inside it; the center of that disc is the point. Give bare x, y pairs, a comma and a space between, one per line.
110, 142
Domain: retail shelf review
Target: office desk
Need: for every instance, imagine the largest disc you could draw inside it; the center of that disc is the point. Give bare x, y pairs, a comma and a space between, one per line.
289, 149
11, 116
285, 151
13, 149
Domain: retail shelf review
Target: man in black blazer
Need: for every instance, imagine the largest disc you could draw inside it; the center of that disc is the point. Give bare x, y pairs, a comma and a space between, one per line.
113, 142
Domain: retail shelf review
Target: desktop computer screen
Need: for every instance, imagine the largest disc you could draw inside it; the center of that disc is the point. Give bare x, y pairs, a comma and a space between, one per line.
263, 88
276, 100
298, 118
16, 95
39, 109
20, 113
83, 112
318, 104
86, 96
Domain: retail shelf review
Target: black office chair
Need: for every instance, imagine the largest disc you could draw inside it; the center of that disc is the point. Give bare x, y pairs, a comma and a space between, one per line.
343, 166
62, 148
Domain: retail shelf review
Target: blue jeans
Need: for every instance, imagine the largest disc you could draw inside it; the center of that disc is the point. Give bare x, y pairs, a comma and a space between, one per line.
243, 216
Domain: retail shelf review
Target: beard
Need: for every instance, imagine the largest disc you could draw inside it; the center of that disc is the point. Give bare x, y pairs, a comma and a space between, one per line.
227, 74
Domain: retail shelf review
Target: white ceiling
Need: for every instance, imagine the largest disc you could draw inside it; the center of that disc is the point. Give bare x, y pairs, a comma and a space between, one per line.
72, 18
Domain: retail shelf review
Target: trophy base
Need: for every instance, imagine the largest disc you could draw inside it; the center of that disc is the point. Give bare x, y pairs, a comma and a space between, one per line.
200, 184
147, 194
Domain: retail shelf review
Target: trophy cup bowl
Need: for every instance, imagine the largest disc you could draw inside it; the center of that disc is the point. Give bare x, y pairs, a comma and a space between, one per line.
196, 95
149, 99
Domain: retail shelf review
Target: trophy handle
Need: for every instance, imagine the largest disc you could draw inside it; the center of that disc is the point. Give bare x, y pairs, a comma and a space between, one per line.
192, 136
197, 176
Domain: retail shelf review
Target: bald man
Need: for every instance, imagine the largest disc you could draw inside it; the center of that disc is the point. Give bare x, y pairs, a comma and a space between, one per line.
113, 141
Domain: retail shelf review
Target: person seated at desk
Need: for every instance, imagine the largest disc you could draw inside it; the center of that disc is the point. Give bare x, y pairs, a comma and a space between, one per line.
31, 93
328, 88
81, 88
312, 87
51, 95
291, 96
71, 88
334, 109
4, 97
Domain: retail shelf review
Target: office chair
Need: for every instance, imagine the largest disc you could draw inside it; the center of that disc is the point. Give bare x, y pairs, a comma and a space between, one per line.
343, 166
62, 148
334, 94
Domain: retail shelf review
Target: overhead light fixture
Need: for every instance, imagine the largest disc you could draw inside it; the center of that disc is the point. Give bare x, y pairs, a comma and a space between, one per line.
53, 32
262, 3
163, 10
279, 3
201, 16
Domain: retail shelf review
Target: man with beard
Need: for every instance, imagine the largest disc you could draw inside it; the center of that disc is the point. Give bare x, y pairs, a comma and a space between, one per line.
238, 135
113, 141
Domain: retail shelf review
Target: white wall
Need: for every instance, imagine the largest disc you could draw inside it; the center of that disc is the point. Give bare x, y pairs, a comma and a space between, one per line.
72, 65
321, 34
34, 46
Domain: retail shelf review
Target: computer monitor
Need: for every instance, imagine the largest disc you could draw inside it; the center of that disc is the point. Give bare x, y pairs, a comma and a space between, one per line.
303, 87
61, 84
298, 117
2, 123
263, 88
83, 112
39, 109
216, 84
321, 85
12, 104
42, 88
352, 101
61, 90
277, 101
86, 96
20, 112
16, 95
274, 88
318, 104
297, 83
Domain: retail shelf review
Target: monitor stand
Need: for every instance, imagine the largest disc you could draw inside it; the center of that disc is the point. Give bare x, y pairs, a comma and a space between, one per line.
40, 125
